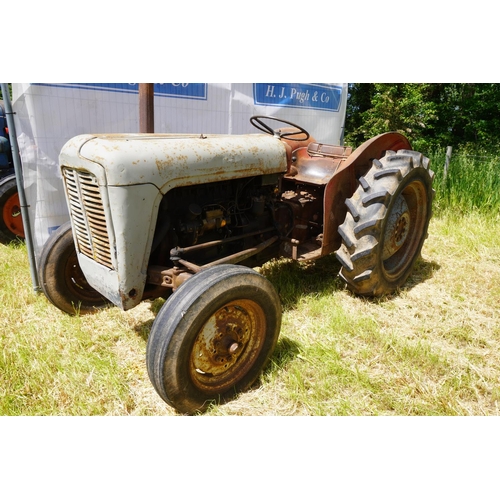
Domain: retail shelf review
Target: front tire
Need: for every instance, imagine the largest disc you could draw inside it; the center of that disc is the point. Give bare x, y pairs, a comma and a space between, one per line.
386, 223
212, 337
61, 277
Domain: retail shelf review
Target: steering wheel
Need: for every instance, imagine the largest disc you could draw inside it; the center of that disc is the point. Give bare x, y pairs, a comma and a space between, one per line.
257, 122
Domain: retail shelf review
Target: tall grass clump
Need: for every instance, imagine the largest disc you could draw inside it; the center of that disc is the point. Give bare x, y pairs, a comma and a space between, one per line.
471, 183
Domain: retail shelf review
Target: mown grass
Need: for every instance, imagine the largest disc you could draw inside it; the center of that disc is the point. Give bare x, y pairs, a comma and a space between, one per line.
54, 364
432, 348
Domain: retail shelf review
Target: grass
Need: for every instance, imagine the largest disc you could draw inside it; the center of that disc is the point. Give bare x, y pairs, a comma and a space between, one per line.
54, 364
430, 349
472, 183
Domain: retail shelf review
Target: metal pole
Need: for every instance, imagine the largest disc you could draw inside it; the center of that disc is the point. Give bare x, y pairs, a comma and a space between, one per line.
16, 158
146, 108
447, 161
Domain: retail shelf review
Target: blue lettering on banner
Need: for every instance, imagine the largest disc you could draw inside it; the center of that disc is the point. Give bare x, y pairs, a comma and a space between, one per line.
298, 95
179, 90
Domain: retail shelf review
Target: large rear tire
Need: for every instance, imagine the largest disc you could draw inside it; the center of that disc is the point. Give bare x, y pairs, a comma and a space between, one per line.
61, 277
386, 223
212, 337
11, 221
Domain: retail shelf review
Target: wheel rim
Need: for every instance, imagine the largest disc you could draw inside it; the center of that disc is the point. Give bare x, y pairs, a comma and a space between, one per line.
12, 216
404, 228
76, 282
227, 346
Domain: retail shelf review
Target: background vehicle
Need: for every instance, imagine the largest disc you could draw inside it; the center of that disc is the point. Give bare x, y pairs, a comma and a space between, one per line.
186, 217
11, 224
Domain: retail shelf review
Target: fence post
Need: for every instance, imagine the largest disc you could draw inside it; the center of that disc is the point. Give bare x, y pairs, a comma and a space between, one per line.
18, 169
447, 161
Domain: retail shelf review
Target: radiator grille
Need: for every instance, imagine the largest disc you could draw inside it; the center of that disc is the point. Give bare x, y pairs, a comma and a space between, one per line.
87, 215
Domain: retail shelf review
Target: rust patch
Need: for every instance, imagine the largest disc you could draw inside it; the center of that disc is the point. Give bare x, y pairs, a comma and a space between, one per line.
227, 346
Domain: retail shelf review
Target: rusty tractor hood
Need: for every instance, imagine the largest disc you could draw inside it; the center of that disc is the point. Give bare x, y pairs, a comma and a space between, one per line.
171, 160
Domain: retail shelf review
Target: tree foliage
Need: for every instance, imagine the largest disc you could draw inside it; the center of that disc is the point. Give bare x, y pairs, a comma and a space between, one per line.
430, 115
10, 90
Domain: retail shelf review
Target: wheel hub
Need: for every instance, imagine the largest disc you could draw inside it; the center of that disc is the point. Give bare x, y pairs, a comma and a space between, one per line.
227, 344
222, 340
397, 229
12, 215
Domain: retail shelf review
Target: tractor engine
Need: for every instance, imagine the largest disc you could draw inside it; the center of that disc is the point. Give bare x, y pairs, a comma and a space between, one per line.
211, 221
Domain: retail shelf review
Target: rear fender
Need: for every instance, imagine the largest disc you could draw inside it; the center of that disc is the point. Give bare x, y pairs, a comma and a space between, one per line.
343, 184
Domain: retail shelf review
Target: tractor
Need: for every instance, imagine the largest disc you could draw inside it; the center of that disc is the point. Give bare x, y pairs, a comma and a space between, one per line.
189, 218
11, 222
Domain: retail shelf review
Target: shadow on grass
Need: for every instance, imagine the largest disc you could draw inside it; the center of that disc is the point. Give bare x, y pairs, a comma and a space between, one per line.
294, 280
286, 350
143, 329
422, 271
17, 242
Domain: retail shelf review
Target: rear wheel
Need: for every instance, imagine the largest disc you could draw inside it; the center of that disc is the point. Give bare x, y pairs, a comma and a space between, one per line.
386, 223
11, 222
61, 277
212, 337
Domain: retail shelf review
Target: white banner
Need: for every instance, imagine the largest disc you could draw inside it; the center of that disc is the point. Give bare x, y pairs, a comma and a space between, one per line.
48, 115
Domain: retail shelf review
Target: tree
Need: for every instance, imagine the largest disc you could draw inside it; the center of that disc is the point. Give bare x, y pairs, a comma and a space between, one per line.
10, 91
430, 115
401, 107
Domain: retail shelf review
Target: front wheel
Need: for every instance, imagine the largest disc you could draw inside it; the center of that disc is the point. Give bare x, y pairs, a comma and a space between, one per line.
61, 277
212, 337
386, 223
